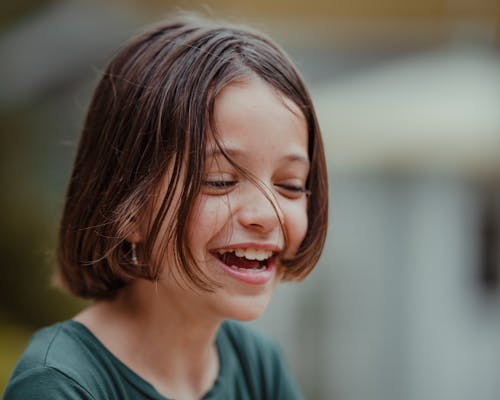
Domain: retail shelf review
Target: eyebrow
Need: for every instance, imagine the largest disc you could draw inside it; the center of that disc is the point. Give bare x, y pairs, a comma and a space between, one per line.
233, 152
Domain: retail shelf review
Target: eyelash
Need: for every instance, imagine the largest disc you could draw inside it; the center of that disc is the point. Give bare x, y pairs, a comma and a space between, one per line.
293, 188
219, 184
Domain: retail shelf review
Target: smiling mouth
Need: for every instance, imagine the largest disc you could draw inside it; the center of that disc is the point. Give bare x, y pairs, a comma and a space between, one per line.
251, 260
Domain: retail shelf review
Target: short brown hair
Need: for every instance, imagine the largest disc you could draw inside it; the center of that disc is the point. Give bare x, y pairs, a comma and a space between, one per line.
150, 111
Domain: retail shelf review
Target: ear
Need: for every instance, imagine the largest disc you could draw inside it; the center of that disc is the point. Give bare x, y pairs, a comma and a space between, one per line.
136, 231
134, 237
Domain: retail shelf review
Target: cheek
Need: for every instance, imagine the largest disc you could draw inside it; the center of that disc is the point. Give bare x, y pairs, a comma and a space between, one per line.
210, 214
296, 224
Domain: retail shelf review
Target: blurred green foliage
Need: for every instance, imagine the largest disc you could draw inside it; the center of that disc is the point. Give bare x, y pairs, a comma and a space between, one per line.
29, 209
35, 161
34, 165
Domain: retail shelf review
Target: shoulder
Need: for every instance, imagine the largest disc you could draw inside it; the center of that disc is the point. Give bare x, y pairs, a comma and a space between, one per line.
48, 367
43, 382
64, 347
259, 359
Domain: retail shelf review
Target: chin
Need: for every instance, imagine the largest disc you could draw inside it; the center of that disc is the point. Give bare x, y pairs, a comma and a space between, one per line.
246, 315
245, 308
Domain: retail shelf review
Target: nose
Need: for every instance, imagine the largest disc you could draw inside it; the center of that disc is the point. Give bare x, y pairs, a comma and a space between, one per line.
258, 210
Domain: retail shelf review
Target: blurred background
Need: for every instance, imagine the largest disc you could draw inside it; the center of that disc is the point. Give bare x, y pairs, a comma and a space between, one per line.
405, 303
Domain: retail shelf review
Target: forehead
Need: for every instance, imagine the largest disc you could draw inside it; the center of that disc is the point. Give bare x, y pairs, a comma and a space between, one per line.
254, 115
254, 95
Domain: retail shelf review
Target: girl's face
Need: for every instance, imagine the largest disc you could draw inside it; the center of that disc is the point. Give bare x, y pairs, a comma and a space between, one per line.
234, 232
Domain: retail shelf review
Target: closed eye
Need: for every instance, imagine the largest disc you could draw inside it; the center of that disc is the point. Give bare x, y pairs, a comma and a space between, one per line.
294, 190
219, 185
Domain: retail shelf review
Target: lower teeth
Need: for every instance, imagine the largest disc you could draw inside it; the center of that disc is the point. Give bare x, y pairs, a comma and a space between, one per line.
261, 268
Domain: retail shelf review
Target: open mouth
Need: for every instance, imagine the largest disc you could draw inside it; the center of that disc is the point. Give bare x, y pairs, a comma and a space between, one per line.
251, 260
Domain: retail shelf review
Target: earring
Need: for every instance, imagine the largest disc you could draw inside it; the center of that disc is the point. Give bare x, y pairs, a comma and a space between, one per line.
133, 256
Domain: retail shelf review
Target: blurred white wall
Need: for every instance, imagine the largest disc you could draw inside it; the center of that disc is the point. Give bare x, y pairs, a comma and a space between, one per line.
396, 308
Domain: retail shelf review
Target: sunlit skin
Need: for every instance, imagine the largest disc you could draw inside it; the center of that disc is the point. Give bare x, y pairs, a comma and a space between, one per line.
165, 331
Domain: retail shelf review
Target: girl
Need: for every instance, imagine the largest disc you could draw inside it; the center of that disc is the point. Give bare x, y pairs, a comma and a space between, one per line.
199, 184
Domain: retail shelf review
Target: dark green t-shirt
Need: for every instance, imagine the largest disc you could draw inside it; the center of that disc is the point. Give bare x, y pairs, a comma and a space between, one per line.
66, 361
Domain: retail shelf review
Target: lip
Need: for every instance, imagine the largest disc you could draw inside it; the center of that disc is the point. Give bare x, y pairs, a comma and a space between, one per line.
251, 276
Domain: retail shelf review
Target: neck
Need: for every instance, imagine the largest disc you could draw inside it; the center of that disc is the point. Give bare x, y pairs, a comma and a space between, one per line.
168, 344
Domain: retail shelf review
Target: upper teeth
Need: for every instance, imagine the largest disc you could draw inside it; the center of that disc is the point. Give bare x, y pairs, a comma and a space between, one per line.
249, 254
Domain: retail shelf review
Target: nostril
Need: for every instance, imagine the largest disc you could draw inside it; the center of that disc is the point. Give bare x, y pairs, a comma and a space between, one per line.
260, 223
259, 218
